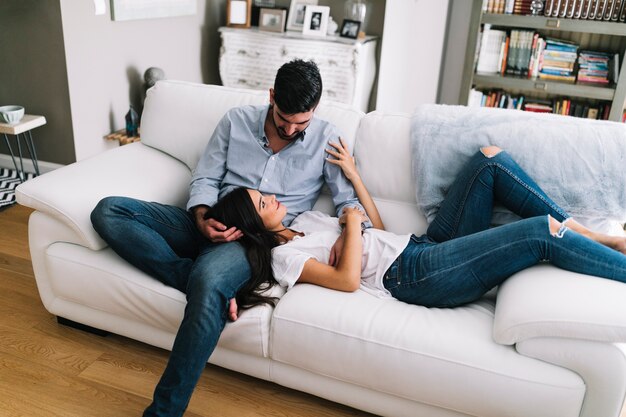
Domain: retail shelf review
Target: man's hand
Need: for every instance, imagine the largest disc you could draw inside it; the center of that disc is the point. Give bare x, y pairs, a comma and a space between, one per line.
212, 229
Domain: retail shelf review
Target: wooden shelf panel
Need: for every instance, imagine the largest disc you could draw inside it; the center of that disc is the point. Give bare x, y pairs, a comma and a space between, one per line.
553, 23
543, 86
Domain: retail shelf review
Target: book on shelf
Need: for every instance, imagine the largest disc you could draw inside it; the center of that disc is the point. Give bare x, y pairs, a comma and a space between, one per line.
491, 50
560, 105
522, 7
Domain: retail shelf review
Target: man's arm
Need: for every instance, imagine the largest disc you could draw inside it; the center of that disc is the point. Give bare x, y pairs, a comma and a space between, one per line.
211, 168
205, 185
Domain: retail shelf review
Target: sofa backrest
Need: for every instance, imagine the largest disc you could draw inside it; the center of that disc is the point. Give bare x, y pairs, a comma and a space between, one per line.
179, 117
383, 157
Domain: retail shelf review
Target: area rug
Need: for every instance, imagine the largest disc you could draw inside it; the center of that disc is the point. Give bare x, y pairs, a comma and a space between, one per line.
8, 181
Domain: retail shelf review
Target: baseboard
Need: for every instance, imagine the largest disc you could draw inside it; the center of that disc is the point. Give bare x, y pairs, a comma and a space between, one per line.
7, 162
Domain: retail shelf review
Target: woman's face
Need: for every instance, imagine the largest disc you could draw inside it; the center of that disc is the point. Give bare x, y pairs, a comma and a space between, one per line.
270, 210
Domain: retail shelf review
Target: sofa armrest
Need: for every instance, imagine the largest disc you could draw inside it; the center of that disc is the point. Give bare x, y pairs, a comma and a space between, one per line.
544, 301
70, 193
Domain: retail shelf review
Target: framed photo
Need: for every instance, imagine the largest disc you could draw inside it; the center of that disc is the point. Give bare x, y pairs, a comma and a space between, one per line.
296, 13
238, 13
350, 29
316, 20
272, 20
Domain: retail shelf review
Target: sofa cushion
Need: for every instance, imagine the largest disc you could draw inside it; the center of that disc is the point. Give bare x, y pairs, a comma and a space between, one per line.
578, 162
70, 193
414, 352
180, 117
383, 158
102, 281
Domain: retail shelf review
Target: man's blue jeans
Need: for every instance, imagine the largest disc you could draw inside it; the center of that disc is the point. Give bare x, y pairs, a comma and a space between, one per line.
460, 258
163, 241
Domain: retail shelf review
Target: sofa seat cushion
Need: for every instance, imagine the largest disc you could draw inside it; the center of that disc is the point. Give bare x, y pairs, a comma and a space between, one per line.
412, 352
102, 281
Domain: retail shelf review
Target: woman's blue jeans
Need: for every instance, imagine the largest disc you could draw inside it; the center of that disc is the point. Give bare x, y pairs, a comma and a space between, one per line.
460, 258
163, 241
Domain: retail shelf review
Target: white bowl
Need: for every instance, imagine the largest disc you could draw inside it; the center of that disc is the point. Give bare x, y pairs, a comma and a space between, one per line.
12, 114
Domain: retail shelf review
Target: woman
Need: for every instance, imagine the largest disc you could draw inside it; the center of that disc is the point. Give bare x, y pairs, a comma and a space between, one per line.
459, 258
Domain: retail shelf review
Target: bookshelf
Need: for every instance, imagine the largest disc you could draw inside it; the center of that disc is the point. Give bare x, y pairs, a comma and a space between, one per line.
594, 35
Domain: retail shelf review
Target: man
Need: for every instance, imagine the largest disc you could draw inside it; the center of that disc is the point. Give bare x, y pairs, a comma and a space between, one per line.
277, 149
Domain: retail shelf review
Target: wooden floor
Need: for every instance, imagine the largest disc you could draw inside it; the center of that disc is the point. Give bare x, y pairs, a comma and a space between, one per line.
49, 370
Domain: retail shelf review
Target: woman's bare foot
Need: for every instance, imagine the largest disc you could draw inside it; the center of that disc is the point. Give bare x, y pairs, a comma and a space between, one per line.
614, 242
232, 310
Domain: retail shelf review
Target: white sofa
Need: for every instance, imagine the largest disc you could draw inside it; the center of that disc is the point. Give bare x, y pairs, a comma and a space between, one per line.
543, 352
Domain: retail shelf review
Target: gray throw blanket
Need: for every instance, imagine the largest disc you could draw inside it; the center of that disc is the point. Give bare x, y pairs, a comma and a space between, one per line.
579, 163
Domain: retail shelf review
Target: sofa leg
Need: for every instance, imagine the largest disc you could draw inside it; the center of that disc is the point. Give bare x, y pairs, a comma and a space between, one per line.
80, 326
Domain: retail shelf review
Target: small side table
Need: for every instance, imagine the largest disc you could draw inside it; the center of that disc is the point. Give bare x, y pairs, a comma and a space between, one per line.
23, 128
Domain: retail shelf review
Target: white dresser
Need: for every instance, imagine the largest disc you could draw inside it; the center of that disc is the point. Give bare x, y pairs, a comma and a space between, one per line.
249, 58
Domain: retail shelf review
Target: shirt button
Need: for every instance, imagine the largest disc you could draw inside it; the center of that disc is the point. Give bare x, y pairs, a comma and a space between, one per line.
273, 157
265, 179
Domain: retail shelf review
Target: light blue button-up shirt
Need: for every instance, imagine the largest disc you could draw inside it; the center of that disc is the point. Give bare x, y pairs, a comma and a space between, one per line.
238, 155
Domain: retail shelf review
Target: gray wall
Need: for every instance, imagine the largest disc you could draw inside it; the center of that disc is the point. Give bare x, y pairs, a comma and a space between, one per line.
33, 73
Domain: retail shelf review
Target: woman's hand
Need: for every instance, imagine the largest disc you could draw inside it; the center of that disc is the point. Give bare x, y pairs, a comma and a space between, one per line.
343, 159
352, 214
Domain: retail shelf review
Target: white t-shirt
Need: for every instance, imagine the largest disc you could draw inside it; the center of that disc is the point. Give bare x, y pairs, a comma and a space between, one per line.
380, 249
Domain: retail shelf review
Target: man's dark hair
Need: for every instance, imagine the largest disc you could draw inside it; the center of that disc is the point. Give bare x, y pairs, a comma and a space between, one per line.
297, 87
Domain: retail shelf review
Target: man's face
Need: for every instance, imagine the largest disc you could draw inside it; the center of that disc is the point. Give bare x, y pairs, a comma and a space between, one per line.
289, 126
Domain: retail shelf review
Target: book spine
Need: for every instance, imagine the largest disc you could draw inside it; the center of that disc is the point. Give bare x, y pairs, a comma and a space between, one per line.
600, 9
584, 10
555, 8
563, 8
569, 13
617, 7
592, 10
547, 7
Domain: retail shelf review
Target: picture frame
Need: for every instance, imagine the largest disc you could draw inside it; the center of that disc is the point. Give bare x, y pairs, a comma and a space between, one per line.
316, 21
350, 29
297, 9
238, 13
272, 20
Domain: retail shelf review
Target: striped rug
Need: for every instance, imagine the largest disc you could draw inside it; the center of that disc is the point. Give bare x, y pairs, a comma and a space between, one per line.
8, 181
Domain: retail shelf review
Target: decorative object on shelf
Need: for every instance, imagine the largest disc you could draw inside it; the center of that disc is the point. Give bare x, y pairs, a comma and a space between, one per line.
356, 10
11, 114
296, 13
149, 9
257, 5
132, 122
152, 75
272, 20
536, 7
332, 27
316, 20
121, 137
350, 29
238, 13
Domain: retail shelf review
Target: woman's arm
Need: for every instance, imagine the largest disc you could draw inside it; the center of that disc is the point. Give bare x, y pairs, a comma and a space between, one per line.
347, 165
346, 275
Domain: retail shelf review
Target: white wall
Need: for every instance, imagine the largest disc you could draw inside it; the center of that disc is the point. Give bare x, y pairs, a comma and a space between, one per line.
411, 54
106, 61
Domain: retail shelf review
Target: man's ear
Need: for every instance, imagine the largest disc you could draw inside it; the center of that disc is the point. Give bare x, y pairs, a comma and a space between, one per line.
272, 96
